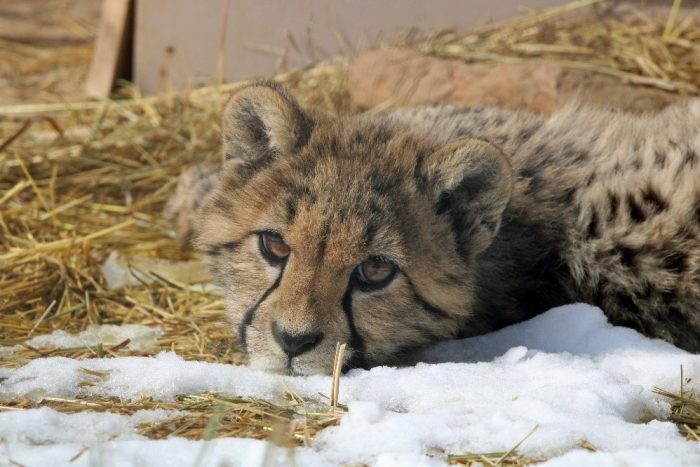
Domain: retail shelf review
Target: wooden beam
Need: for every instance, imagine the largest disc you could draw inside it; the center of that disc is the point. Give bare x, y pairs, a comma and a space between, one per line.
112, 56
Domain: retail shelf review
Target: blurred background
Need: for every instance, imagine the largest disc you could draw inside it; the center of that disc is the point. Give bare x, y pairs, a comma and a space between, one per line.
515, 53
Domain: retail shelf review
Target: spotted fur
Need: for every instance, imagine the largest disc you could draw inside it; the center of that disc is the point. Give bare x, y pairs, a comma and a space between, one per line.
491, 217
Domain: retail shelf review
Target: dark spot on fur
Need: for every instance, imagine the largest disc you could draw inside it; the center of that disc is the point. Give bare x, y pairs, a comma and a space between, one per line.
660, 158
357, 138
593, 225
464, 131
676, 262
567, 196
668, 297
308, 167
635, 211
590, 179
222, 204
376, 210
323, 242
528, 171
297, 191
382, 136
343, 214
654, 199
334, 146
577, 157
444, 204
637, 164
691, 158
525, 134
381, 183
536, 183
291, 208
614, 201
627, 256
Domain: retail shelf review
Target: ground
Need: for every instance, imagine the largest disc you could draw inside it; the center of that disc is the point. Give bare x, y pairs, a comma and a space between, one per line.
94, 372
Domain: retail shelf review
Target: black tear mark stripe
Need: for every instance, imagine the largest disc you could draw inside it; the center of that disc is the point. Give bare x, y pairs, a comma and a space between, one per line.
250, 314
426, 305
216, 250
357, 343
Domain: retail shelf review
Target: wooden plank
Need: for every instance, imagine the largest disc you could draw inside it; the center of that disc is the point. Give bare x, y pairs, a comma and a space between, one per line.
112, 56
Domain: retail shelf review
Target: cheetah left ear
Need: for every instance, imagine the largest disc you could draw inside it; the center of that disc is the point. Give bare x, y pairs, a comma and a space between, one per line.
472, 181
262, 122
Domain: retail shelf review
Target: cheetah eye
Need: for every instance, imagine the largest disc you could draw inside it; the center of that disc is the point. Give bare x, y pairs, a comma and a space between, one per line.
374, 273
273, 247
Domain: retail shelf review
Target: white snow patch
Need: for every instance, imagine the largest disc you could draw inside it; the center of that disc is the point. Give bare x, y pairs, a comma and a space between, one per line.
47, 426
567, 371
140, 338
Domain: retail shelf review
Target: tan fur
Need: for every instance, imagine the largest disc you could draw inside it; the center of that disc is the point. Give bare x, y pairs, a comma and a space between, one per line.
587, 205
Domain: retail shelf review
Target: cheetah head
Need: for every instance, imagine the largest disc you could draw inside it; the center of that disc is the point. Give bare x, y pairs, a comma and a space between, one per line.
348, 230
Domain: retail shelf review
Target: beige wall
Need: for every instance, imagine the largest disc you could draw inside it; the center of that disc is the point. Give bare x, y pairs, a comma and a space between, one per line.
177, 41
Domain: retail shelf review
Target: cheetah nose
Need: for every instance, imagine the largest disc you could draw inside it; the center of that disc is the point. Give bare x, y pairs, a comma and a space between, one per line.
295, 344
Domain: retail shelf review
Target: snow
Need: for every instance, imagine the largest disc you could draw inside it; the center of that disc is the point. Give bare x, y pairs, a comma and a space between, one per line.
47, 426
140, 338
567, 372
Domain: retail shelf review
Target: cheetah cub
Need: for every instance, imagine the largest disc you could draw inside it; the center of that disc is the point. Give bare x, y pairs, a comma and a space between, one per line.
389, 232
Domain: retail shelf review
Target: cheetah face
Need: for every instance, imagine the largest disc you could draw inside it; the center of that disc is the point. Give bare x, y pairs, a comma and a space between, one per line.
352, 230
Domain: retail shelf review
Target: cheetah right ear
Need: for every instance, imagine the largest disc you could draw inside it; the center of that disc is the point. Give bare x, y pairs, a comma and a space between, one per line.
470, 180
262, 122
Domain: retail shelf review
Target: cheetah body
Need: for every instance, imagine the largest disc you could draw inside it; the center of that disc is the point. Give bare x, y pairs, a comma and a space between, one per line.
490, 217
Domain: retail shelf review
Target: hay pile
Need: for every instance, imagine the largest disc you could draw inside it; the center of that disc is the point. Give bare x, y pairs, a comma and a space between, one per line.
80, 180
619, 41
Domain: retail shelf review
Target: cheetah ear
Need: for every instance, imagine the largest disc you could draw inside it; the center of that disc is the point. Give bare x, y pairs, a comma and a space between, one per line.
262, 122
471, 181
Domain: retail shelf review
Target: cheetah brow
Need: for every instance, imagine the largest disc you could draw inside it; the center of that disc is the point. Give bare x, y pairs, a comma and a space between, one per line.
217, 249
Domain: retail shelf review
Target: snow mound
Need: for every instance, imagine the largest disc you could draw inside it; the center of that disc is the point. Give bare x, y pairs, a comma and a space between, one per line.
140, 338
568, 372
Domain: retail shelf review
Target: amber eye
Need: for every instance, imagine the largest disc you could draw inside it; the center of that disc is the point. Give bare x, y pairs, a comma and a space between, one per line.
375, 273
273, 247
